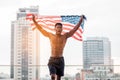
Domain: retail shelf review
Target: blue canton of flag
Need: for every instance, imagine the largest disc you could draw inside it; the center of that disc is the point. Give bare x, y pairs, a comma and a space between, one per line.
74, 19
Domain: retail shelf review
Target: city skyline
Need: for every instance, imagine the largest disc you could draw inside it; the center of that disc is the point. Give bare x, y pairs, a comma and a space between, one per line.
103, 21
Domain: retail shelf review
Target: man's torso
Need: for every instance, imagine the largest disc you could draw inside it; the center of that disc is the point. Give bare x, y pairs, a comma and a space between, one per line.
57, 44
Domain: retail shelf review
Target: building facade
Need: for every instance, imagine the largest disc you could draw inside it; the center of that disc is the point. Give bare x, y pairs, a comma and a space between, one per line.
96, 50
24, 47
100, 72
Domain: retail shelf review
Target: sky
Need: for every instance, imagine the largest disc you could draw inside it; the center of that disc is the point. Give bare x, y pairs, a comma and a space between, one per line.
103, 18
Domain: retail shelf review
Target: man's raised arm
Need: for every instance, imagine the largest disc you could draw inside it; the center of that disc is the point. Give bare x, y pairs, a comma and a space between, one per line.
38, 26
71, 32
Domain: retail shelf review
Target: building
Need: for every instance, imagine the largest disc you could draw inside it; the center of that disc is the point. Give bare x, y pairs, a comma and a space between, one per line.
97, 62
96, 50
67, 77
101, 72
77, 76
24, 47
4, 76
84, 72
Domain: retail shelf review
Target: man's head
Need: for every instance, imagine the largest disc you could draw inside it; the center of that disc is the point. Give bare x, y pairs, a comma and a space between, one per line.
58, 28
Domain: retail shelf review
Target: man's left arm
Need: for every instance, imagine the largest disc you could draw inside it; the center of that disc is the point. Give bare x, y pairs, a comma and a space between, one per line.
71, 32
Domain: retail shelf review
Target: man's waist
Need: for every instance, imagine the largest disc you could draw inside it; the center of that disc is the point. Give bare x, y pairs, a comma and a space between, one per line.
56, 57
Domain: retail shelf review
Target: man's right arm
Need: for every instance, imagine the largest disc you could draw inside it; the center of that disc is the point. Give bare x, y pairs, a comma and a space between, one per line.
38, 26
71, 32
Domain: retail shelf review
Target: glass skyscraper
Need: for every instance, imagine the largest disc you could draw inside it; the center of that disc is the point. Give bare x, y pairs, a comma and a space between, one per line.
24, 47
96, 50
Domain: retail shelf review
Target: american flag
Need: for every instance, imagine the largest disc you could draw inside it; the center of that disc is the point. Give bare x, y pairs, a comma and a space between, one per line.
69, 21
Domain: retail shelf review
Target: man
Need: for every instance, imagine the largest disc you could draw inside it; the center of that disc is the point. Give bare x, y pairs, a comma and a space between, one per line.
58, 41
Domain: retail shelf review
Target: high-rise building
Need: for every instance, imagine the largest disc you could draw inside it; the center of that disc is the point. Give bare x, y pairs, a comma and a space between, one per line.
96, 50
24, 47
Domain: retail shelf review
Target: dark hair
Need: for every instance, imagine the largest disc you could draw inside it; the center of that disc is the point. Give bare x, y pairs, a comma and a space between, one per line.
58, 24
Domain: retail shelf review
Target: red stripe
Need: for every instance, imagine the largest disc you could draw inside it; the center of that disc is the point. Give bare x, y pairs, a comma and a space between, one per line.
70, 29
54, 21
41, 16
79, 39
46, 27
75, 37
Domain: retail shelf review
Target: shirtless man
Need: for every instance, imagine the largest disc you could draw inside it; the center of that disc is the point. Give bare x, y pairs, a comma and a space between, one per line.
58, 41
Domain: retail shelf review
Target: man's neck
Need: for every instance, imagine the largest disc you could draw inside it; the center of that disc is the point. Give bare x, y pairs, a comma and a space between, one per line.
58, 34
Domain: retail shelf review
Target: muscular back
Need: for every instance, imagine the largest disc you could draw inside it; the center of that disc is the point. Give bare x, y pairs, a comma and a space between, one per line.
57, 44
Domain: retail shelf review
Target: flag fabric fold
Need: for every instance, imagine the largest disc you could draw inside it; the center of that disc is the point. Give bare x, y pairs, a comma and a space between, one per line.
69, 21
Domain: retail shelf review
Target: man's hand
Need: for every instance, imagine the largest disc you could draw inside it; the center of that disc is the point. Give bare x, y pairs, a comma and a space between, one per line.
84, 17
33, 17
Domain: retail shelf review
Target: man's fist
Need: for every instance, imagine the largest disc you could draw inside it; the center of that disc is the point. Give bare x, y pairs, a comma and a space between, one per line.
84, 17
33, 17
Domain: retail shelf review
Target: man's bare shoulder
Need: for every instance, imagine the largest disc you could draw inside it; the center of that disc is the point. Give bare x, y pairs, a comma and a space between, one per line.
66, 34
51, 34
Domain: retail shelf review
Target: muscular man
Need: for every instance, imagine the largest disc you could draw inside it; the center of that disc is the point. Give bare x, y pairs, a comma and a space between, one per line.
58, 41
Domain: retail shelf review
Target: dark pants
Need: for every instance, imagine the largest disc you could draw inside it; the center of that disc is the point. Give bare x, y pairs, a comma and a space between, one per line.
56, 66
